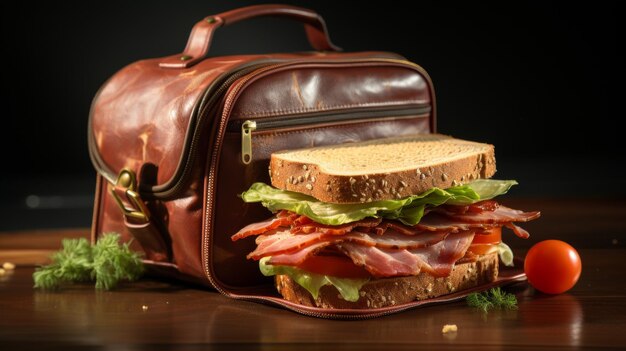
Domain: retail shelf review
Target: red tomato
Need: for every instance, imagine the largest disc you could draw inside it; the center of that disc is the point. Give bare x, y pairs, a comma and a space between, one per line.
335, 266
491, 236
485, 243
482, 249
552, 266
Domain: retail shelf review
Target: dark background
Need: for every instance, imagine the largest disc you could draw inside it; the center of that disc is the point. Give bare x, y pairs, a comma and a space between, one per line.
542, 81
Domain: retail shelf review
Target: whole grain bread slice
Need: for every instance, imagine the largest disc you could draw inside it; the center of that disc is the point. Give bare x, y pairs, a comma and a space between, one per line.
396, 291
381, 169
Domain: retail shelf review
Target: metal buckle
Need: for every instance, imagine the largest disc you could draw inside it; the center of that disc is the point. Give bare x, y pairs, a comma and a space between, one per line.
126, 179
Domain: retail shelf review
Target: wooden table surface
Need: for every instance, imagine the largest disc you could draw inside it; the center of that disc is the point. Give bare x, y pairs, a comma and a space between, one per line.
591, 315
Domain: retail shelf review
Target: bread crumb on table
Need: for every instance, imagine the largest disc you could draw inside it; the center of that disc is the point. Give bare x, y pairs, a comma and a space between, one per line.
8, 266
449, 328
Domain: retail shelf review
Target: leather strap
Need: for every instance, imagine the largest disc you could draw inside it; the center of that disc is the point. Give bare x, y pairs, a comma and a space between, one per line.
144, 230
147, 234
200, 38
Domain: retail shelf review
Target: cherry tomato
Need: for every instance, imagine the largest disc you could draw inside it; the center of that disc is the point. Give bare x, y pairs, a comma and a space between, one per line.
552, 266
335, 266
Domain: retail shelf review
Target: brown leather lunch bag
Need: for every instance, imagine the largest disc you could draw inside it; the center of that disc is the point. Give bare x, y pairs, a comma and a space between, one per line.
175, 140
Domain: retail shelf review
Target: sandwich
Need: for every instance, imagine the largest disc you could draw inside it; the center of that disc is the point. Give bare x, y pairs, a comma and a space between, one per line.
382, 222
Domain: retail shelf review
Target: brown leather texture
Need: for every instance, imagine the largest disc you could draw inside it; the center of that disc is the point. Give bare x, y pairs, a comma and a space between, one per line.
330, 88
199, 41
179, 131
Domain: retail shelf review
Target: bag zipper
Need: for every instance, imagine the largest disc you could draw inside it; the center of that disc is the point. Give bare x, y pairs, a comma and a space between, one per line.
324, 117
212, 170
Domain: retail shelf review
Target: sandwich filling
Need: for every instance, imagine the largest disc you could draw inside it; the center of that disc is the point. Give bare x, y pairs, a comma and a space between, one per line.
346, 245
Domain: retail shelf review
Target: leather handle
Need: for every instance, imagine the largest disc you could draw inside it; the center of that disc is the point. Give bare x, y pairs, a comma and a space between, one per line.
200, 38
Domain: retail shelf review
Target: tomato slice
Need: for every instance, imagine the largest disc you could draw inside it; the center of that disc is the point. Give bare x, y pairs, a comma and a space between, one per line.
335, 266
483, 249
488, 236
485, 242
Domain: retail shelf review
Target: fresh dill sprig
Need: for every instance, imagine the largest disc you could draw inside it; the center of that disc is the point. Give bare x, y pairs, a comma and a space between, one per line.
113, 262
70, 264
494, 298
107, 262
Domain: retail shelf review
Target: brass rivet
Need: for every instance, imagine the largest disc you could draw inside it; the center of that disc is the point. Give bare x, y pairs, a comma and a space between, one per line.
125, 180
185, 58
211, 20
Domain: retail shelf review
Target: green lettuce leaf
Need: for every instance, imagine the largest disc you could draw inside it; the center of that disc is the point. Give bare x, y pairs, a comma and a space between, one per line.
486, 189
506, 255
348, 288
408, 210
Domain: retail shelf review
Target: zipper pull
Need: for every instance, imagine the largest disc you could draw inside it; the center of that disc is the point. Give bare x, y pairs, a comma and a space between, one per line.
246, 141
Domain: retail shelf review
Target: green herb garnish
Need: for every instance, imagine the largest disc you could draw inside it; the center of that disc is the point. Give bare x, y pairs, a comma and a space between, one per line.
107, 262
494, 298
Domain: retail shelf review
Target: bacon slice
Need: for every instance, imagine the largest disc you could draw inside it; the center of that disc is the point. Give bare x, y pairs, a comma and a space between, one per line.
336, 229
451, 251
285, 241
452, 221
521, 232
260, 227
395, 240
382, 262
437, 259
283, 218
297, 257
399, 227
500, 215
437, 222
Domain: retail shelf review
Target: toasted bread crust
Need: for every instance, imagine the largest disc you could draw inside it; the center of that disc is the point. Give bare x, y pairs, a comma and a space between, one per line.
310, 178
395, 291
